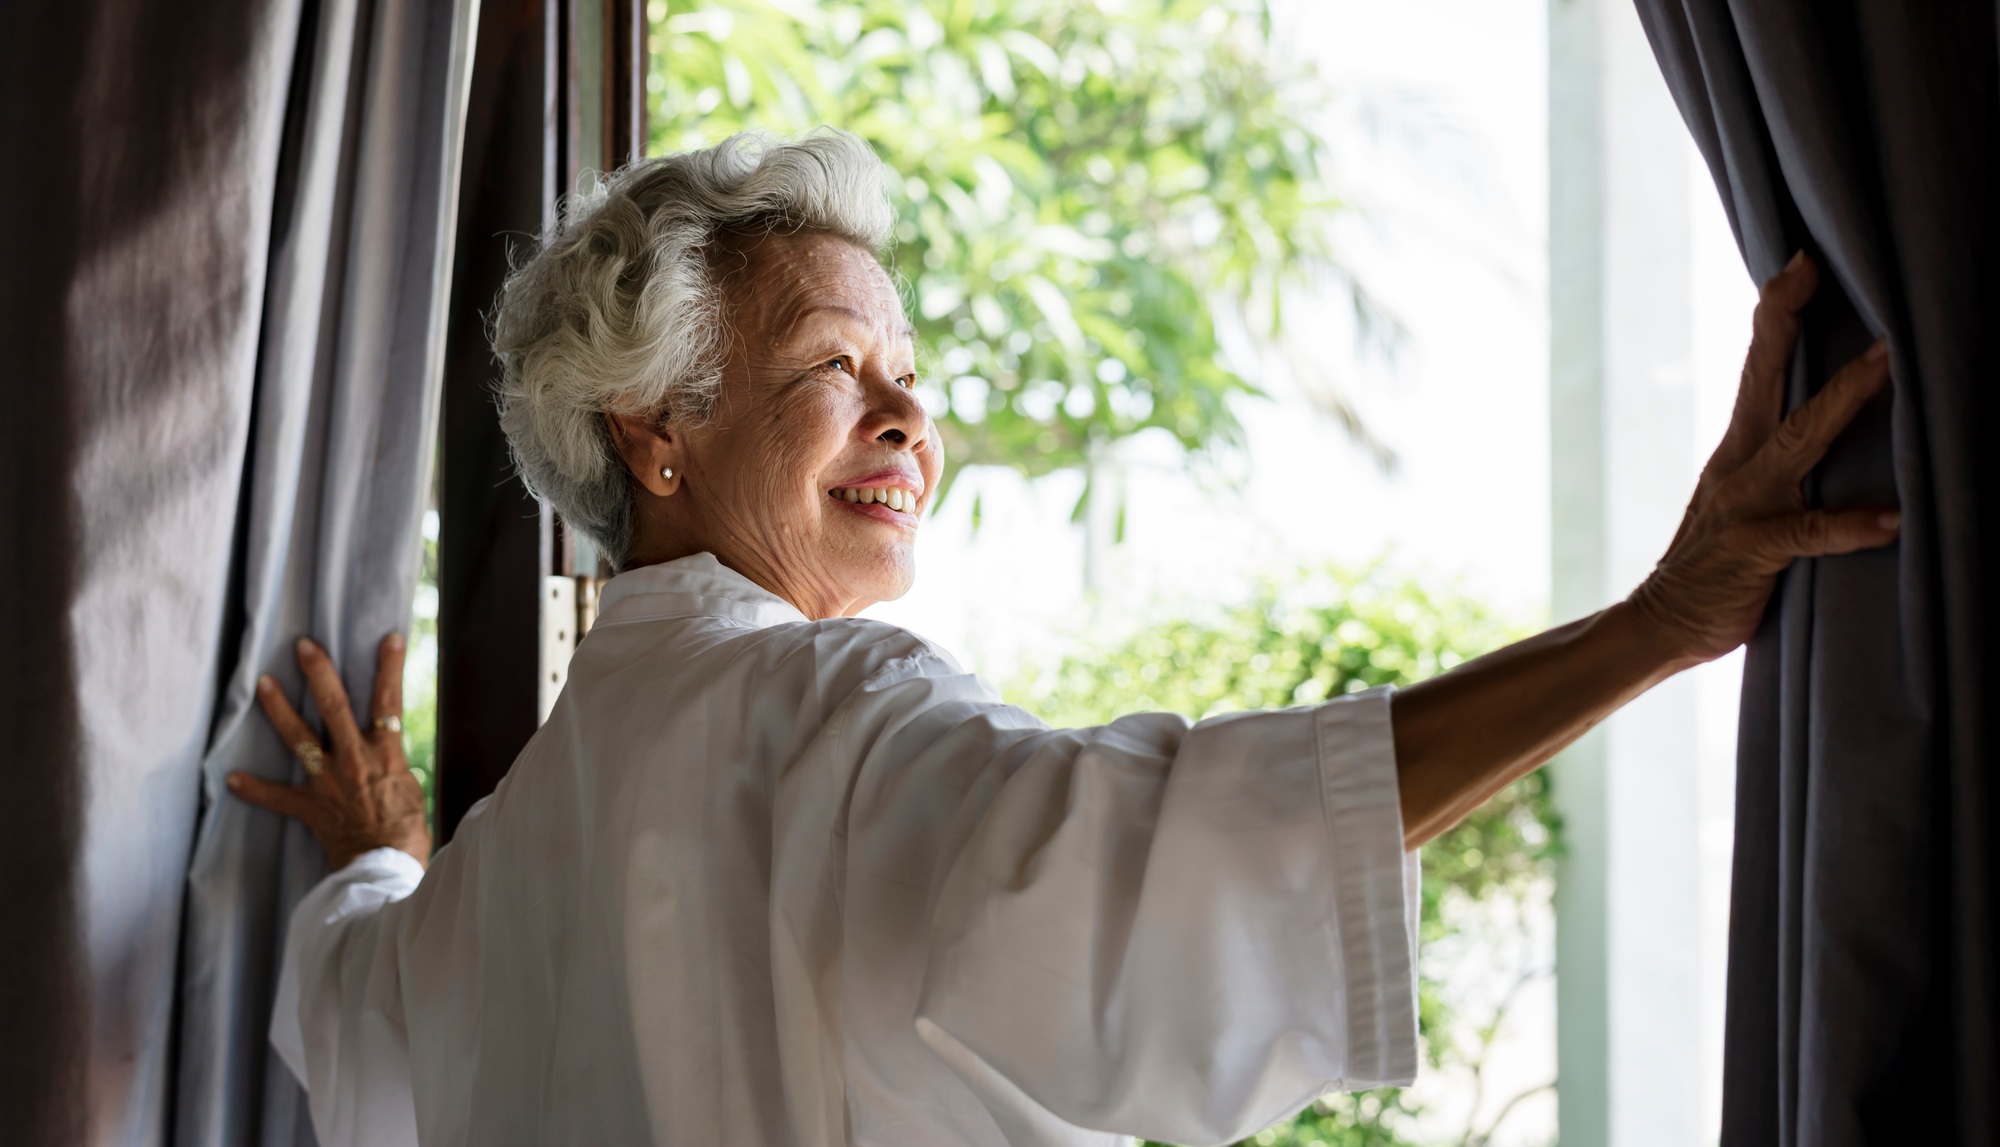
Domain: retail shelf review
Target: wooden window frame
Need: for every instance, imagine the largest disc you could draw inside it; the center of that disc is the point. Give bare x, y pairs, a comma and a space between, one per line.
545, 73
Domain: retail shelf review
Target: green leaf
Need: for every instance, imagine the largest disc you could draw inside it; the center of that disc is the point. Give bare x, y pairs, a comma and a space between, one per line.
1094, 177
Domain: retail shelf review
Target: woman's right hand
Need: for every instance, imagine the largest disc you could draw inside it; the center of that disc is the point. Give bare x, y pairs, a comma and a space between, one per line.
359, 793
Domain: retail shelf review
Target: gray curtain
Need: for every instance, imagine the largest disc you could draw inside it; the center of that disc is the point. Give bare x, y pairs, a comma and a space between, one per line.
223, 270
1864, 988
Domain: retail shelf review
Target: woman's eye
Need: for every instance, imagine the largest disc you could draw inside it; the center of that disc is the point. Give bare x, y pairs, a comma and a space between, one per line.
908, 382
838, 364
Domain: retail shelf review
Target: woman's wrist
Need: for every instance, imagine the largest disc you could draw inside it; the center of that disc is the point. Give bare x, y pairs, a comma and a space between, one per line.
408, 834
1654, 642
1463, 735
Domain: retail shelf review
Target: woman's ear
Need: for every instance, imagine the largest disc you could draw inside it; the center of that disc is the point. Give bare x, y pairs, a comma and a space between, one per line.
652, 452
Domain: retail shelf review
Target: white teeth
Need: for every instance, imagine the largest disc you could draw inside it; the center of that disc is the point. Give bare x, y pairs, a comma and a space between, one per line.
902, 501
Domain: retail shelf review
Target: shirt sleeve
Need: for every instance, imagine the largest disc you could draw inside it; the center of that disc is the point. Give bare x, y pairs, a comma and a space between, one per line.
1185, 933
338, 1020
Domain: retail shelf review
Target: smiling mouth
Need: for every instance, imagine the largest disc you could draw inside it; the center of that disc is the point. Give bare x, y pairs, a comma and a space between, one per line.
888, 497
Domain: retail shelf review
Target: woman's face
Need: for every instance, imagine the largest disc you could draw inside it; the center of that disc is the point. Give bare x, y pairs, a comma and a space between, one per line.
814, 471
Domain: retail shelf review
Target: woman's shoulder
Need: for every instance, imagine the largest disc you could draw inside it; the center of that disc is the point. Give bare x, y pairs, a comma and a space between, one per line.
866, 650
823, 665
851, 660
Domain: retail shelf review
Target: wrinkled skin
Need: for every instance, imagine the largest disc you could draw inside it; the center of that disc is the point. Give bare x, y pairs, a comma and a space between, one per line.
1748, 519
816, 394
365, 797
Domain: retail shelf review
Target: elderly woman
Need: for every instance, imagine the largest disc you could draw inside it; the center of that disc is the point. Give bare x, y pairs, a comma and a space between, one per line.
772, 874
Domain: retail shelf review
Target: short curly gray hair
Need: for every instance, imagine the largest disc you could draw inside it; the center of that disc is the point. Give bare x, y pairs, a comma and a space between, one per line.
618, 310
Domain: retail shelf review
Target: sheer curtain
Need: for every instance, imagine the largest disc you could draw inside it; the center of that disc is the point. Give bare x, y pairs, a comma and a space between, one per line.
1864, 990
226, 257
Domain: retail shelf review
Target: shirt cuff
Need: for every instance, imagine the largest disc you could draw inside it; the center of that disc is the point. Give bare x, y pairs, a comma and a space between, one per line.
369, 881
1377, 891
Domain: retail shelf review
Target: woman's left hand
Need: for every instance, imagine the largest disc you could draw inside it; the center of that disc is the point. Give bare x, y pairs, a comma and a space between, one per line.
359, 793
1749, 518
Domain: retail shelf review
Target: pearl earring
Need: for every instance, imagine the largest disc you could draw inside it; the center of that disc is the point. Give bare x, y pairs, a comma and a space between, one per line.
666, 472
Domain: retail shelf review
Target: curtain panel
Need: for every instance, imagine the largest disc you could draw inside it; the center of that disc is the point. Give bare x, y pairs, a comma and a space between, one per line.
224, 263
1864, 990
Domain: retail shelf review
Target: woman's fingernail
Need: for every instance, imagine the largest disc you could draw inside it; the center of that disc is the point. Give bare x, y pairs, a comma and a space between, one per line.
395, 641
305, 645
1798, 257
265, 684
1891, 520
1879, 351
234, 781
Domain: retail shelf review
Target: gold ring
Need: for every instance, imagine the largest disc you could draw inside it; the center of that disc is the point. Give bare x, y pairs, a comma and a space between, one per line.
311, 756
389, 724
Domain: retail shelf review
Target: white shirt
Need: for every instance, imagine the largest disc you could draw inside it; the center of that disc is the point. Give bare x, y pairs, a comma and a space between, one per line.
761, 880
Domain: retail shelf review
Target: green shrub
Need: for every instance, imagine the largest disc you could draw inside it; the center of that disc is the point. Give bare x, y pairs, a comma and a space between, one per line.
1321, 635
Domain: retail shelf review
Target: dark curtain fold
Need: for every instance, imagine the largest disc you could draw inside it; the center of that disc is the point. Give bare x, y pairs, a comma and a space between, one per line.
1864, 989
225, 232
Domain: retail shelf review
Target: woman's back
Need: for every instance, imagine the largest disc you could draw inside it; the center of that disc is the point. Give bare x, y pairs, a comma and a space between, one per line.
760, 880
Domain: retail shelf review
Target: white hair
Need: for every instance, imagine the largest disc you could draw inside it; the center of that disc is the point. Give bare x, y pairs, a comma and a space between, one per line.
618, 311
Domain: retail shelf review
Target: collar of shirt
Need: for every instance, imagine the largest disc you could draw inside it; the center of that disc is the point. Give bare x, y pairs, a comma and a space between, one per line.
693, 586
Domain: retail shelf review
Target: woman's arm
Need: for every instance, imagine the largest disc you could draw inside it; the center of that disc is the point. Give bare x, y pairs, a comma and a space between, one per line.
1464, 735
338, 1021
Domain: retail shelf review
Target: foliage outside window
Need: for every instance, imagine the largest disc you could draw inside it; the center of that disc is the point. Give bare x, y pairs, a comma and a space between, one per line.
1321, 635
1082, 183
420, 671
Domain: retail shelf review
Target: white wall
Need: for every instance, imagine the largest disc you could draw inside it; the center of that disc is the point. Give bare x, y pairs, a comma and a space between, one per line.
1649, 312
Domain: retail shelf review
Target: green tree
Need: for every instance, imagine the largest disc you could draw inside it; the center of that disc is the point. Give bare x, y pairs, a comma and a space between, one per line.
1322, 635
1082, 183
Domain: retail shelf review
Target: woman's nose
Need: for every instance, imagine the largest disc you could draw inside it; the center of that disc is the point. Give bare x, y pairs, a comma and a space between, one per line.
896, 417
